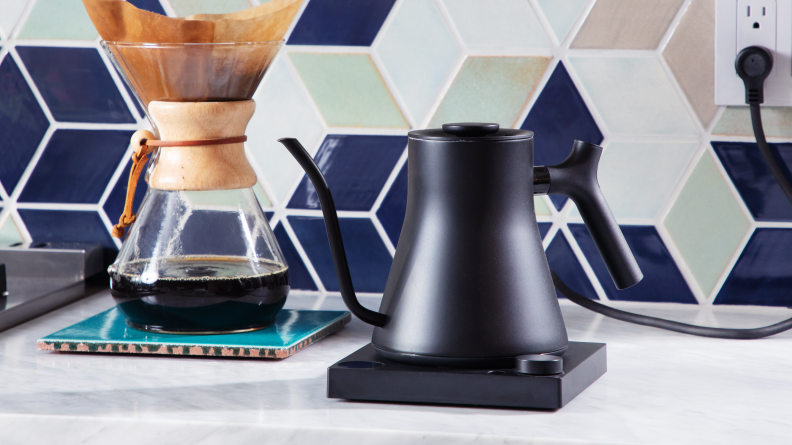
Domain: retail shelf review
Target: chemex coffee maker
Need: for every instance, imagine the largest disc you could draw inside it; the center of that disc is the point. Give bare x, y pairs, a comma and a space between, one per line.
470, 315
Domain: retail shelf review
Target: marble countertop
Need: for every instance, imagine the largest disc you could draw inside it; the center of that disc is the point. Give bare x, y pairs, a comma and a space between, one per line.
660, 388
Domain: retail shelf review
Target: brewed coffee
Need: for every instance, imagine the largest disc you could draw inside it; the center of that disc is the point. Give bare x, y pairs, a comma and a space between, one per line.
200, 294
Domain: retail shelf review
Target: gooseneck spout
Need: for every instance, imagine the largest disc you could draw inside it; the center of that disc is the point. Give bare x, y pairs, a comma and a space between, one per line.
576, 177
333, 233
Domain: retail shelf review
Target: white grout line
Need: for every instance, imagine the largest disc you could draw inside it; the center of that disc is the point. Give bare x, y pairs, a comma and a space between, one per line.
672, 27
730, 265
389, 182
303, 255
584, 263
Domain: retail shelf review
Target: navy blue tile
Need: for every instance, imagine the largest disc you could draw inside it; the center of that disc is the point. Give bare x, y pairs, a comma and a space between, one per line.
75, 84
22, 124
394, 207
340, 22
66, 226
544, 227
563, 261
114, 205
757, 186
356, 168
662, 280
299, 278
269, 215
76, 166
369, 260
763, 273
149, 5
558, 117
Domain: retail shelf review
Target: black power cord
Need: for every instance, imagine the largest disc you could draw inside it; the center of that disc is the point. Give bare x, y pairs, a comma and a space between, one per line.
753, 65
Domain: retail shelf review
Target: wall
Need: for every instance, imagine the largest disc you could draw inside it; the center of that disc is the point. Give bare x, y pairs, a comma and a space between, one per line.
706, 220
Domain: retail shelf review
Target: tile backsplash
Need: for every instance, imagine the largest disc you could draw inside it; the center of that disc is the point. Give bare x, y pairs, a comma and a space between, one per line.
703, 215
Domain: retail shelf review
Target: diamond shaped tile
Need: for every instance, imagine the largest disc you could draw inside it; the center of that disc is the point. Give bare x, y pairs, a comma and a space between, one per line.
114, 205
563, 261
75, 84
348, 22
356, 168
12, 9
557, 118
64, 174
544, 227
393, 208
261, 196
706, 224
9, 233
757, 186
691, 56
490, 89
66, 226
403, 47
637, 178
626, 24
369, 260
299, 277
561, 14
282, 110
153, 5
184, 8
348, 90
540, 207
499, 24
736, 121
662, 280
48, 20
633, 95
761, 275
22, 124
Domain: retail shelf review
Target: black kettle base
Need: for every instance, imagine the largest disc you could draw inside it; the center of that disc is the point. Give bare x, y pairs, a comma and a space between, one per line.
367, 376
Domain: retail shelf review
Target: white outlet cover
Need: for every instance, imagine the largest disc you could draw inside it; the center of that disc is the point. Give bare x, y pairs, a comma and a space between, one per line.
734, 31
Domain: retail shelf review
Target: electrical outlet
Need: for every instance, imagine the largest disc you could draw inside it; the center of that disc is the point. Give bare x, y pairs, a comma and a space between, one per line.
743, 23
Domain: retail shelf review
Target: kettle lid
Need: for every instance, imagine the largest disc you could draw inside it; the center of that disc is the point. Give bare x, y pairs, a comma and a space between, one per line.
471, 131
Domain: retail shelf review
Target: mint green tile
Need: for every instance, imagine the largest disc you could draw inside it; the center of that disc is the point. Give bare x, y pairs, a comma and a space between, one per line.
348, 90
637, 178
282, 110
184, 8
261, 196
9, 233
706, 223
11, 10
403, 47
490, 89
541, 207
561, 14
736, 121
497, 24
58, 19
633, 95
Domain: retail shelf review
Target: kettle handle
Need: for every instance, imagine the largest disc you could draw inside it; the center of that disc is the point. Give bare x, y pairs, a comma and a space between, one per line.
333, 233
576, 177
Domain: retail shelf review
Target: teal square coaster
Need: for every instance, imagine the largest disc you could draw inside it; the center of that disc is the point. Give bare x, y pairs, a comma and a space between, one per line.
106, 332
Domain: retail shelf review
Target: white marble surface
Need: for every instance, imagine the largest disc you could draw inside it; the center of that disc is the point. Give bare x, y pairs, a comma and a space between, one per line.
661, 388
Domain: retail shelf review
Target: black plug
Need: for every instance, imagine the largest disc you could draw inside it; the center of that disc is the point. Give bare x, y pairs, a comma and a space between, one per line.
753, 65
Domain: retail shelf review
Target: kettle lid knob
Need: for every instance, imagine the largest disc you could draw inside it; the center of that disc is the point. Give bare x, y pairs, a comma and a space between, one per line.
470, 129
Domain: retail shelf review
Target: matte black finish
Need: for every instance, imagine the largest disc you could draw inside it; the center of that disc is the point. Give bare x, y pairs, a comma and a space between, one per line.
365, 375
539, 364
470, 285
753, 65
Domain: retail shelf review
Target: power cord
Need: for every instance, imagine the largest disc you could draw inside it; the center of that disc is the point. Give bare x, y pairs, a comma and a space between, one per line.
753, 65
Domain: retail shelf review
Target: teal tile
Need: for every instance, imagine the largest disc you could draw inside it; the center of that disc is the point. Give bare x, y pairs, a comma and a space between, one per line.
633, 95
348, 90
184, 8
282, 110
58, 19
736, 121
706, 223
12, 9
497, 24
107, 332
637, 178
490, 89
403, 47
9, 233
561, 14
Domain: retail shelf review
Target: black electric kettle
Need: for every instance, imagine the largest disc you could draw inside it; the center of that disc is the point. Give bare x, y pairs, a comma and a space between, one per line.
470, 284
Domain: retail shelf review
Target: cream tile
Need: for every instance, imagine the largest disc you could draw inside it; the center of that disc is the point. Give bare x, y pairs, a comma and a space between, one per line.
497, 24
691, 56
626, 24
736, 121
